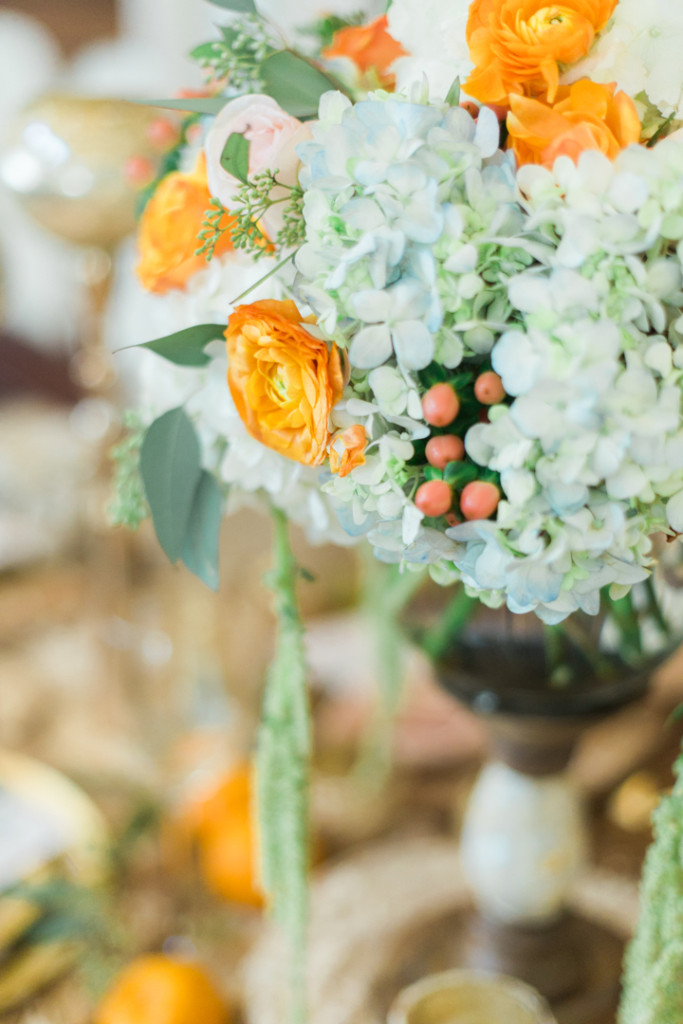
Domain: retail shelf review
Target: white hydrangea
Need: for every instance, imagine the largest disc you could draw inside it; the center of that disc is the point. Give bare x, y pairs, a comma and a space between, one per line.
590, 452
249, 468
433, 33
640, 50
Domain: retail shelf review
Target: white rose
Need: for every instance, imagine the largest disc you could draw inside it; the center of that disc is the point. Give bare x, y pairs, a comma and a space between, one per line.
273, 135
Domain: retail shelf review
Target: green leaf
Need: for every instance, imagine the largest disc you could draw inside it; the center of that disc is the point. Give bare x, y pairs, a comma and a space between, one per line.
205, 51
186, 348
170, 468
200, 550
460, 473
243, 6
197, 105
294, 82
235, 157
453, 95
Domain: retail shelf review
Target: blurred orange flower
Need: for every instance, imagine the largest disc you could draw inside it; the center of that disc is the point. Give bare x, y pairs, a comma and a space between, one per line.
347, 450
167, 236
370, 47
516, 45
283, 380
586, 116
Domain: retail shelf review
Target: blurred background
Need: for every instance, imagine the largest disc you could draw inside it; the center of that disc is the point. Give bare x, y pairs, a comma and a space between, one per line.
130, 694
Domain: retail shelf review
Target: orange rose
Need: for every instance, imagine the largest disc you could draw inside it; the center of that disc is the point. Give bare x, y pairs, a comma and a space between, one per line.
586, 116
516, 45
283, 381
370, 47
347, 450
167, 236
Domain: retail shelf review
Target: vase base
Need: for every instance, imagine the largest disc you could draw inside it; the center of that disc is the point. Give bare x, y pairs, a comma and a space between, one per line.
575, 964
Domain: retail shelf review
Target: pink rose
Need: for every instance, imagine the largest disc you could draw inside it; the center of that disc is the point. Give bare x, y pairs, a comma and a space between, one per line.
274, 136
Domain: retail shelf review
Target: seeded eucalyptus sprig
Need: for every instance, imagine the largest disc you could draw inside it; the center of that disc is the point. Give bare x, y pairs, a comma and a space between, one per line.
237, 56
213, 227
253, 200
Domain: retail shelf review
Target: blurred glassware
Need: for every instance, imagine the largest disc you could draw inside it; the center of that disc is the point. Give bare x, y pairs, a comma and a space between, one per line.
470, 997
66, 161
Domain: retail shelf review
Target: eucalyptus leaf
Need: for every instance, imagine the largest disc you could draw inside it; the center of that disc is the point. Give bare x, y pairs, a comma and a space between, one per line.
170, 468
200, 550
186, 348
196, 105
242, 6
294, 82
235, 157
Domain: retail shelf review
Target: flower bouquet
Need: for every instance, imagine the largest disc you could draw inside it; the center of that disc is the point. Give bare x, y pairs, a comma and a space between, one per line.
459, 229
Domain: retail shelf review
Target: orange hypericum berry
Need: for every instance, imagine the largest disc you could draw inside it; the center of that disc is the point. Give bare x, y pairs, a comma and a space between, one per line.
479, 499
444, 449
488, 388
138, 170
434, 498
471, 108
440, 405
162, 133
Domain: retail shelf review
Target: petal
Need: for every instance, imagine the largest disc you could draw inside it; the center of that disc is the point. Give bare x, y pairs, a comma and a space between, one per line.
371, 347
413, 344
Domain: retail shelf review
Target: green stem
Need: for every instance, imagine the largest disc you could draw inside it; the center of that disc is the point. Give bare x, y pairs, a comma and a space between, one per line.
265, 277
387, 591
436, 641
283, 770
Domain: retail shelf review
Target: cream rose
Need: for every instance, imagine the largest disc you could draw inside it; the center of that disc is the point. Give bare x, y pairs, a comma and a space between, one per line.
274, 136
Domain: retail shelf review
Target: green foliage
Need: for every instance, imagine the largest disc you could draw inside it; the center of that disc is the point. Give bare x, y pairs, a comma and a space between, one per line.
171, 468
201, 545
236, 57
207, 105
235, 157
213, 228
387, 591
186, 347
283, 770
296, 82
247, 6
253, 200
652, 989
184, 499
453, 94
129, 506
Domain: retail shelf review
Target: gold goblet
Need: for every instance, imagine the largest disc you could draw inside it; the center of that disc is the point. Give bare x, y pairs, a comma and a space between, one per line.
67, 161
470, 997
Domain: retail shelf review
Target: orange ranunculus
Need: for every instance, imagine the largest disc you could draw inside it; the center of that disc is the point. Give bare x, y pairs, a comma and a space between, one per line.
370, 47
347, 450
167, 237
517, 45
283, 380
586, 116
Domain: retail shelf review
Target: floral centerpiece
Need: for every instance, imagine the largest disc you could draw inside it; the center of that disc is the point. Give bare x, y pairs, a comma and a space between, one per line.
459, 229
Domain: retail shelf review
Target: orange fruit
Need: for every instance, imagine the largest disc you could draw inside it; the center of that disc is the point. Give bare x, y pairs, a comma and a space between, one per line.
227, 859
219, 824
154, 989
